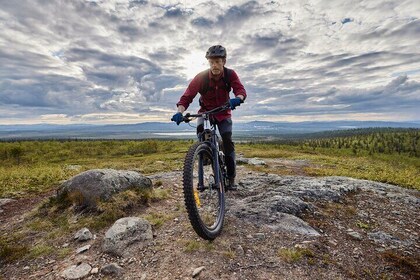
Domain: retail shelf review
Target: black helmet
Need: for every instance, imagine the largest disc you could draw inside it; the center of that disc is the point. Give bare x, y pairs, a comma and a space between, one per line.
216, 51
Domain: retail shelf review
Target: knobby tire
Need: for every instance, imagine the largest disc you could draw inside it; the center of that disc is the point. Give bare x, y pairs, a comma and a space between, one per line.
205, 232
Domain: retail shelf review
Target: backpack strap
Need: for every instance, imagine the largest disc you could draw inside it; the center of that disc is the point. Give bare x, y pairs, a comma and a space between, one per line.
206, 81
226, 78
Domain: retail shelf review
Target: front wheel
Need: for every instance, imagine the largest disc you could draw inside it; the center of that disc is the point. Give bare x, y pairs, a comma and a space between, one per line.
204, 197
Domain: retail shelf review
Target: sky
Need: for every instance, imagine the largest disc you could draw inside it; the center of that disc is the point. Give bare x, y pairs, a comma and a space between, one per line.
108, 62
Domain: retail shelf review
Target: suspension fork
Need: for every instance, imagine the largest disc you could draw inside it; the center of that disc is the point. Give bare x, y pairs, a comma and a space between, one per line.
215, 153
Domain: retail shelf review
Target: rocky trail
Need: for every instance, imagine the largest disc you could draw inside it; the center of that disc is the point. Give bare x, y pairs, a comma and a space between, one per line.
276, 227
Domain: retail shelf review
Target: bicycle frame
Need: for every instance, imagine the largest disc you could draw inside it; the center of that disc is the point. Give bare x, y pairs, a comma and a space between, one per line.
214, 145
212, 142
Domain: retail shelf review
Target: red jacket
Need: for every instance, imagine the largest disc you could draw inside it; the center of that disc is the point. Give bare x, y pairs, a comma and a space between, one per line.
216, 96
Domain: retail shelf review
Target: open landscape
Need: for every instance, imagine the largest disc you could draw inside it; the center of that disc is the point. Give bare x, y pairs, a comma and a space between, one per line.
360, 228
100, 101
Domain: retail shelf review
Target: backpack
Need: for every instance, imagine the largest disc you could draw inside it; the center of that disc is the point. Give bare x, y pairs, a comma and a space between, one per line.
206, 81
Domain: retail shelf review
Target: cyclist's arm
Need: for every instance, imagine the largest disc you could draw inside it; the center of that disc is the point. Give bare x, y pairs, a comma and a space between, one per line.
237, 86
189, 94
181, 109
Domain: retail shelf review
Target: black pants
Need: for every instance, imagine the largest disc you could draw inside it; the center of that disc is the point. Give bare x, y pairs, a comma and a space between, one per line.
225, 130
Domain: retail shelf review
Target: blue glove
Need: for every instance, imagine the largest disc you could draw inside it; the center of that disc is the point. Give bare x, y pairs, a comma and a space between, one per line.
178, 118
234, 102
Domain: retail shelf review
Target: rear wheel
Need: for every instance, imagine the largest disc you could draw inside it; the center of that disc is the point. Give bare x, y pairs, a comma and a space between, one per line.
204, 199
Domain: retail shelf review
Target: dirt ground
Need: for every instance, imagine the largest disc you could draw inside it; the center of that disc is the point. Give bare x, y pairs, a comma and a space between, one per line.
245, 250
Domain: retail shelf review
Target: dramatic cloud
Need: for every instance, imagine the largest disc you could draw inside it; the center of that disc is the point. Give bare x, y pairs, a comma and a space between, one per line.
120, 61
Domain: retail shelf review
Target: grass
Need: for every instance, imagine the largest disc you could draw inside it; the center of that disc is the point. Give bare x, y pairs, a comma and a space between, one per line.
42, 165
40, 250
30, 168
292, 255
55, 219
230, 254
405, 264
363, 225
395, 169
158, 219
192, 246
11, 249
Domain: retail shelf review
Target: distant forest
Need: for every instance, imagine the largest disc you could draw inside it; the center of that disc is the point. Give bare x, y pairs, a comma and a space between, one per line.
370, 140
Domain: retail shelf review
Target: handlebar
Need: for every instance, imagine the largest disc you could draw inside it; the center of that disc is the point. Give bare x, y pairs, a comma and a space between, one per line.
188, 117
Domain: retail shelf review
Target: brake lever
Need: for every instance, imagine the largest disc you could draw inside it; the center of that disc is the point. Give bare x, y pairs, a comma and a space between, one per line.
187, 118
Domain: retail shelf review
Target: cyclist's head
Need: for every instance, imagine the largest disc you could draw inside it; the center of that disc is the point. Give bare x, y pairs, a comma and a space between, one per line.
216, 56
216, 52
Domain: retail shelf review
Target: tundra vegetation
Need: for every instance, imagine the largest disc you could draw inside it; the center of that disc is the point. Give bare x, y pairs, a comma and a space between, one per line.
34, 168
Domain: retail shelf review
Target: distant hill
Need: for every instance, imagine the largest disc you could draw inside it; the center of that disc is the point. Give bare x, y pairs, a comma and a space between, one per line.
250, 130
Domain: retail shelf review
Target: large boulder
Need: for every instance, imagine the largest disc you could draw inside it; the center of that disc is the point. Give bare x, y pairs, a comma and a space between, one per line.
279, 202
87, 188
125, 232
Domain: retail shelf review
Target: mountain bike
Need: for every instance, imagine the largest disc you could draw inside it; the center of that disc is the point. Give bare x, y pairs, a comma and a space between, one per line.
205, 178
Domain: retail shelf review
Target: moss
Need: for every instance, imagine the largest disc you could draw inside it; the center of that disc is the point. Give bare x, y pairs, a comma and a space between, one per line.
362, 225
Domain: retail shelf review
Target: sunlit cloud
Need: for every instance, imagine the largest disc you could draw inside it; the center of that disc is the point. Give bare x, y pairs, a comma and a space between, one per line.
122, 61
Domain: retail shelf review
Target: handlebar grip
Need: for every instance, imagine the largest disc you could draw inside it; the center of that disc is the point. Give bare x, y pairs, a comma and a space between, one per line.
186, 118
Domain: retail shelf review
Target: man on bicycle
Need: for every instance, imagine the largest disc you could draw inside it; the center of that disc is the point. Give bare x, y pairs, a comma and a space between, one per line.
214, 85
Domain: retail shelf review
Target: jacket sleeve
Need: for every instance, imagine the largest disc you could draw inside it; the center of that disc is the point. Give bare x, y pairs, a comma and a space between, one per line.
190, 92
237, 86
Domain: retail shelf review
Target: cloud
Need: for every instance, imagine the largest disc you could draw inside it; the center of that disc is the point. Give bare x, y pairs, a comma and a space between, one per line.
62, 59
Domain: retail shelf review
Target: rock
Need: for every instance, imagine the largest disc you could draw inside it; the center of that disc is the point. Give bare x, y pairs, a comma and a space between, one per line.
290, 223
4, 201
83, 235
65, 245
251, 161
197, 271
125, 232
112, 268
354, 235
26, 268
94, 270
76, 271
380, 237
271, 200
83, 249
256, 161
88, 187
239, 250
241, 160
260, 236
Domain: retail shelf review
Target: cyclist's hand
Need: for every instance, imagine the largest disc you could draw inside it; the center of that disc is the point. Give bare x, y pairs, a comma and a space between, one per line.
234, 102
178, 118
